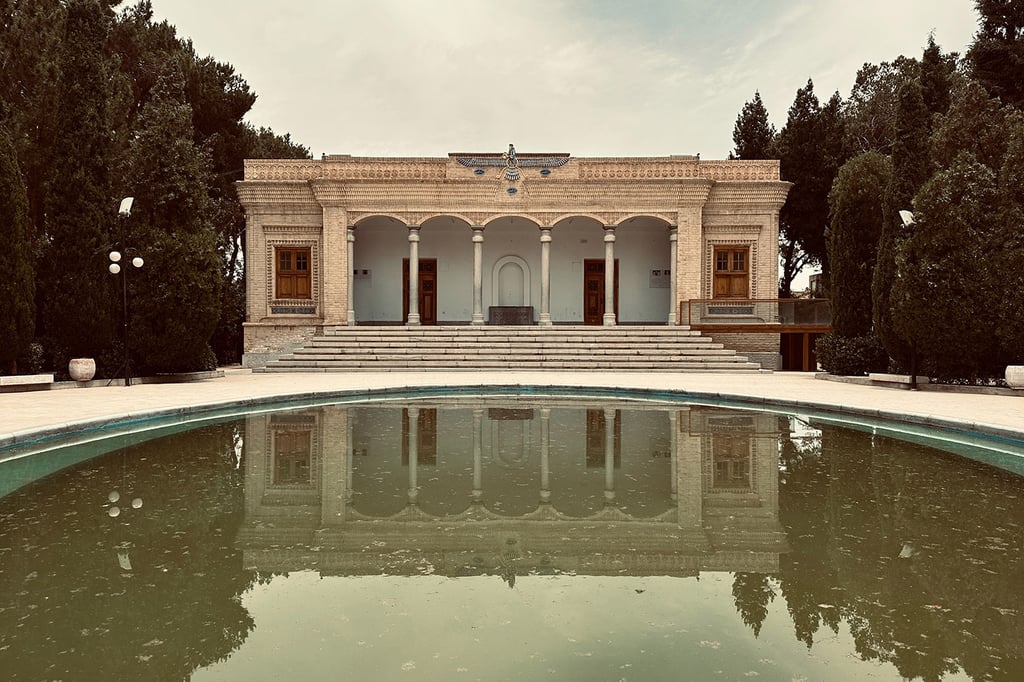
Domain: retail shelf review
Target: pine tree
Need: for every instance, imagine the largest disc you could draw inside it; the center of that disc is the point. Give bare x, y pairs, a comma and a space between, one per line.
811, 149
753, 134
17, 287
871, 108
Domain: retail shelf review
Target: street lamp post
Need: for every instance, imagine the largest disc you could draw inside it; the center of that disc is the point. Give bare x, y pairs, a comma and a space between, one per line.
115, 268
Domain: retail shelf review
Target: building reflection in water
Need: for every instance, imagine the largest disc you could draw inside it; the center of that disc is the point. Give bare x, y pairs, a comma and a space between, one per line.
512, 488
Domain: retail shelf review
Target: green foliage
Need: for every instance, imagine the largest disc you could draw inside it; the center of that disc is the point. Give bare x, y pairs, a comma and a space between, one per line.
265, 144
944, 306
974, 123
850, 355
1009, 243
871, 107
910, 170
31, 35
811, 150
75, 289
996, 56
17, 286
753, 135
936, 77
175, 303
855, 216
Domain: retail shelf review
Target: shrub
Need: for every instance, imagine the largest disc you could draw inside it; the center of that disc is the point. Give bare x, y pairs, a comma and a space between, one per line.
850, 355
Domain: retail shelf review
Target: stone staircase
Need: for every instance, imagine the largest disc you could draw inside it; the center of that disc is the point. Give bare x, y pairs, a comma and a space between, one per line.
449, 348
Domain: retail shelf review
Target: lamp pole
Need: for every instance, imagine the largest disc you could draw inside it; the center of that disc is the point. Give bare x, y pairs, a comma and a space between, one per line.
115, 267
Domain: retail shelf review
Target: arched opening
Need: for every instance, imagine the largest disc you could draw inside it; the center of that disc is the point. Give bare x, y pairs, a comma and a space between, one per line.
511, 284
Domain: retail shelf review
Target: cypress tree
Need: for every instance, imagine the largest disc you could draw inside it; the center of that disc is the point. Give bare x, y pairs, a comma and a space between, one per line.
175, 296
996, 56
936, 78
910, 170
1010, 246
855, 226
17, 286
945, 307
76, 293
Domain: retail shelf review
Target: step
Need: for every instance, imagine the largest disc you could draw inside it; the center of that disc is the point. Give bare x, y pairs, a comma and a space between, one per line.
468, 348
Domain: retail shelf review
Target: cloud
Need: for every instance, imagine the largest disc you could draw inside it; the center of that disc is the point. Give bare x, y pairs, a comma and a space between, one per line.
396, 77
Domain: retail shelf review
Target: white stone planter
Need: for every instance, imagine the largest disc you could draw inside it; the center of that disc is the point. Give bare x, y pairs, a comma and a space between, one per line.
1015, 376
82, 369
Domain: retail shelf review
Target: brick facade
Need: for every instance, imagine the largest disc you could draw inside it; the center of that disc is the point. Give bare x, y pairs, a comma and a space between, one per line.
340, 203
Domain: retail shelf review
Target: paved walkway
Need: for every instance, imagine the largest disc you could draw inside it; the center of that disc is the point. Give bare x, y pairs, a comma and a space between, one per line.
31, 415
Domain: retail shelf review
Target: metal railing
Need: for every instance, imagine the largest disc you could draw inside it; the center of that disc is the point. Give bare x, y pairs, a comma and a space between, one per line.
756, 311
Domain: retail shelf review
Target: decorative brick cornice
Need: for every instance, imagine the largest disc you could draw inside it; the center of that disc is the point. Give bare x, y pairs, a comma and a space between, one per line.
762, 195
342, 167
255, 195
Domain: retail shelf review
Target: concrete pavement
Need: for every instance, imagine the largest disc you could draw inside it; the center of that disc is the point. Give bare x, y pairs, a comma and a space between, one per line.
35, 415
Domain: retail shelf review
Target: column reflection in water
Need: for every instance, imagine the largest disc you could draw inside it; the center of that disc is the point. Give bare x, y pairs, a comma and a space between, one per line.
586, 488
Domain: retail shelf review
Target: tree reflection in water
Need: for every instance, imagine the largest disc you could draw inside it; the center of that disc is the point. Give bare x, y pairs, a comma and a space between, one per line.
68, 608
917, 553
920, 552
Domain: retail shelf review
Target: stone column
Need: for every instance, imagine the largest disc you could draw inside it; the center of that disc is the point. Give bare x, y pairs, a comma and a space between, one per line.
545, 449
478, 274
336, 265
335, 460
478, 492
350, 449
545, 277
673, 249
609, 276
673, 439
414, 439
351, 316
689, 475
414, 276
609, 454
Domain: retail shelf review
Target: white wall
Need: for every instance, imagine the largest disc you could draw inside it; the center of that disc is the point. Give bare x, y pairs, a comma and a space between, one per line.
641, 246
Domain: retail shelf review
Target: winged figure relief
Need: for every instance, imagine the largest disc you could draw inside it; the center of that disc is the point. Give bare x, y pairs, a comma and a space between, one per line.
510, 163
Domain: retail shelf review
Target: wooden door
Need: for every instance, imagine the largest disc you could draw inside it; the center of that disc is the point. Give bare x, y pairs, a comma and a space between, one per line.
427, 290
593, 290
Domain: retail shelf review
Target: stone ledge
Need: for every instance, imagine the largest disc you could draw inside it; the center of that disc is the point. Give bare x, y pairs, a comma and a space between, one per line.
901, 380
45, 382
939, 388
21, 379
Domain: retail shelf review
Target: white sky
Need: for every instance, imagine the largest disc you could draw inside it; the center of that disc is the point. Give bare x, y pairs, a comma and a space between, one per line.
592, 78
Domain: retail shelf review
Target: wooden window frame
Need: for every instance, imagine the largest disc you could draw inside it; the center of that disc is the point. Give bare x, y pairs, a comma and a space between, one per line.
293, 283
734, 279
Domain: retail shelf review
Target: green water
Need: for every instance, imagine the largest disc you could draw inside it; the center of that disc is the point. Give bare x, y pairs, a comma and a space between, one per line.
515, 539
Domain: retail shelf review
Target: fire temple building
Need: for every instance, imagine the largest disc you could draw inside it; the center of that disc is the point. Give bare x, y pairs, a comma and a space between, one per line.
513, 260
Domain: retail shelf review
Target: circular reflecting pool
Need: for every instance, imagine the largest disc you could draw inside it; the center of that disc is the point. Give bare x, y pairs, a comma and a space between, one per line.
512, 538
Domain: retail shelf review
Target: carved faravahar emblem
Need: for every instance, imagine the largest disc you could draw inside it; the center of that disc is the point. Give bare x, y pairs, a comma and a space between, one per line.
510, 162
